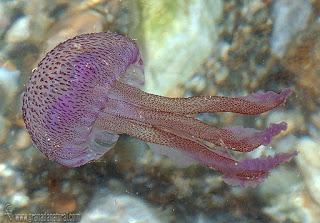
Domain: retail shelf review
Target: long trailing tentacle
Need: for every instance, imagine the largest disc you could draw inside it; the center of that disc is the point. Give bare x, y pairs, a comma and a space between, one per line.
236, 138
252, 104
248, 172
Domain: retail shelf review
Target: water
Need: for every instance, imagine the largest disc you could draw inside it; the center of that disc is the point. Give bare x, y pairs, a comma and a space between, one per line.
189, 48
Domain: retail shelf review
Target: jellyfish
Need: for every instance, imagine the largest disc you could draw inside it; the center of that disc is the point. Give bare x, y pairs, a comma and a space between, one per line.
88, 90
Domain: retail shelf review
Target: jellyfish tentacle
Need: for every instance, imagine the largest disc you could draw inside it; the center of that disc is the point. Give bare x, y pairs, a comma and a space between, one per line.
237, 138
252, 104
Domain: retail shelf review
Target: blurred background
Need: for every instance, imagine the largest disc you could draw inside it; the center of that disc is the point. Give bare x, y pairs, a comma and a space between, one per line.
190, 47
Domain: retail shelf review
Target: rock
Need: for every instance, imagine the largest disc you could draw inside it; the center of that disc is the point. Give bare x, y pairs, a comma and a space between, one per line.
5, 21
19, 199
78, 23
62, 203
289, 18
22, 140
129, 153
281, 181
12, 186
308, 161
179, 36
118, 209
9, 81
302, 59
289, 198
294, 206
19, 31
283, 178
296, 201
4, 123
196, 83
315, 118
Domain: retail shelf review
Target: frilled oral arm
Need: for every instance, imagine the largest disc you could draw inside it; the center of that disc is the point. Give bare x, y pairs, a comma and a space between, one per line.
170, 122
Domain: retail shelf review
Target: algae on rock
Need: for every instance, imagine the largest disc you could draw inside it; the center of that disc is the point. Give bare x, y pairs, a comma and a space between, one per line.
179, 36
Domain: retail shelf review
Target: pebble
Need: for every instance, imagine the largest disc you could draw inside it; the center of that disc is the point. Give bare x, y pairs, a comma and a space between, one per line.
19, 199
283, 178
281, 181
19, 31
129, 152
63, 202
180, 39
12, 186
197, 83
9, 81
4, 22
292, 206
221, 76
5, 171
289, 17
4, 123
315, 118
107, 207
84, 22
308, 161
22, 140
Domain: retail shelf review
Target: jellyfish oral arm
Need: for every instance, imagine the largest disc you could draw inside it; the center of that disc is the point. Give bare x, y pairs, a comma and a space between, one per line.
158, 121
236, 138
252, 104
248, 172
160, 136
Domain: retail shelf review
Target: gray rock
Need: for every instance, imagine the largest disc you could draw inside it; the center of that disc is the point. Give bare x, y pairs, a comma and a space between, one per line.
118, 209
9, 81
289, 17
179, 45
19, 31
308, 161
3, 128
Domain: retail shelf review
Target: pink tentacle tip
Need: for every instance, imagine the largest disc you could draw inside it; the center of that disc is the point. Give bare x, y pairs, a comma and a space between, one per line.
270, 96
272, 131
285, 93
252, 172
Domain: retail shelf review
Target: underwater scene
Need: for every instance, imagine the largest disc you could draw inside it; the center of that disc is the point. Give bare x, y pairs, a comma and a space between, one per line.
160, 111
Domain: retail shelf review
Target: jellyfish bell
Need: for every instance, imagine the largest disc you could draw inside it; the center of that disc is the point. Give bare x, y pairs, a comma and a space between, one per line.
66, 93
